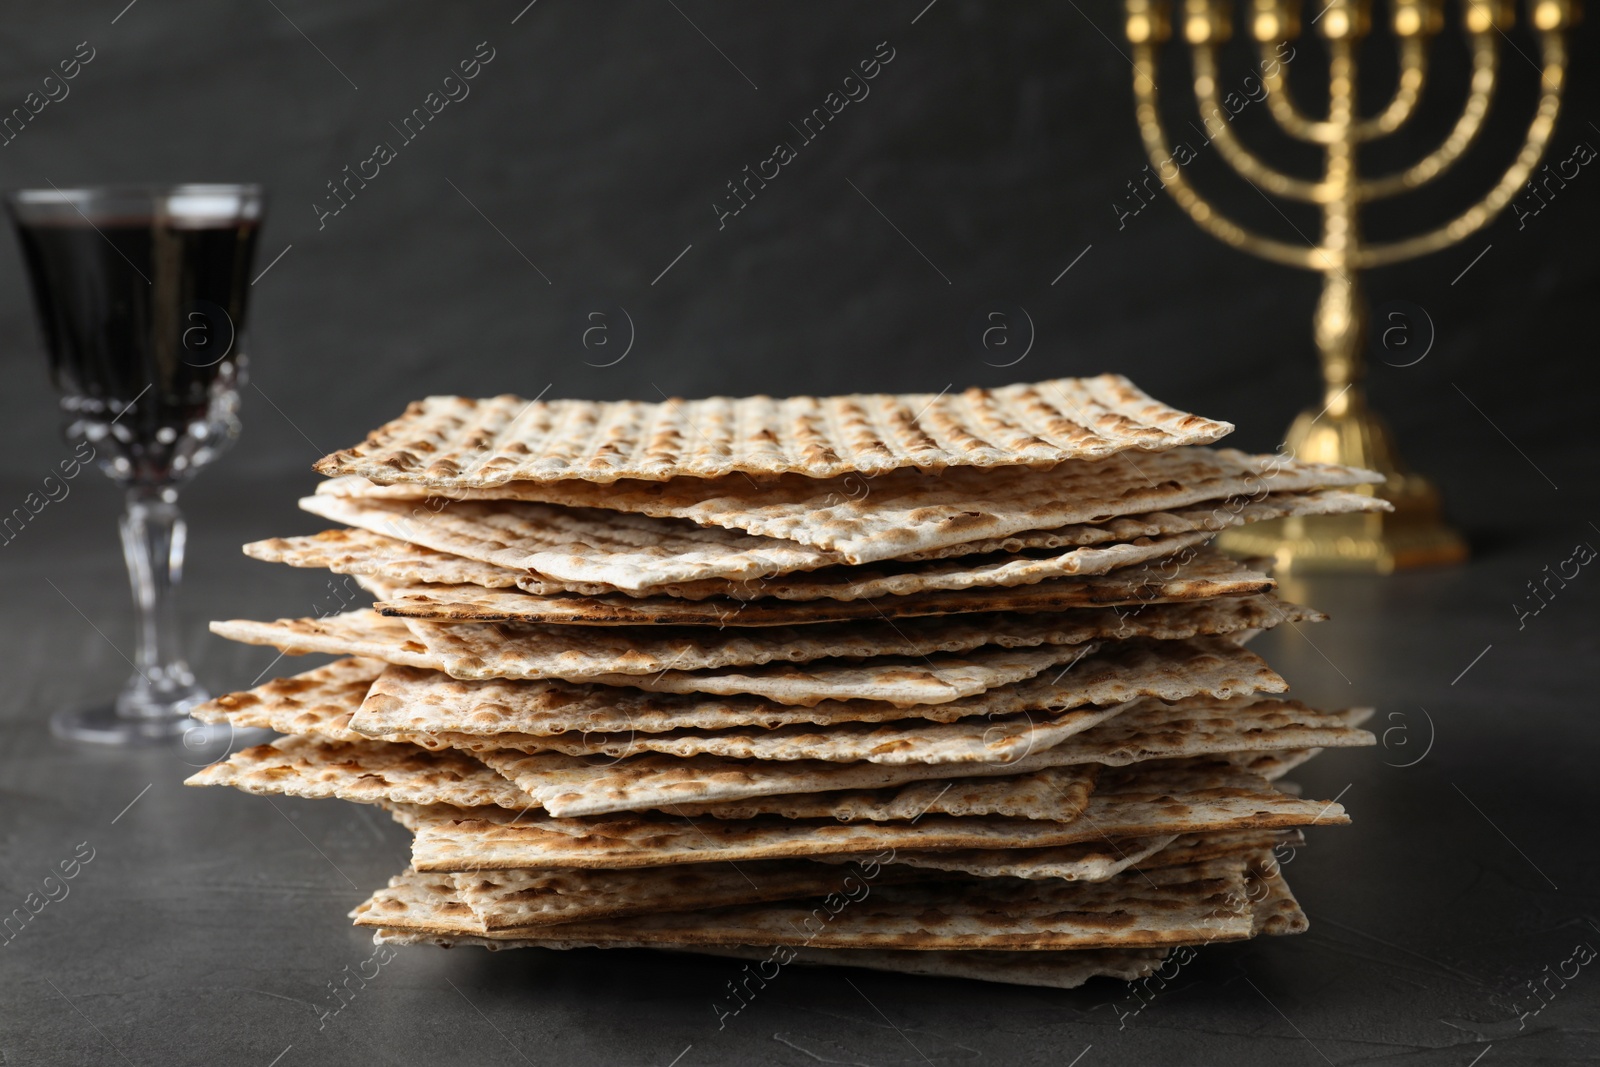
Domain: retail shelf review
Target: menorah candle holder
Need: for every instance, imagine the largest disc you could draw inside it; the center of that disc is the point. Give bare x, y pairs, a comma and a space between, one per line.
1343, 429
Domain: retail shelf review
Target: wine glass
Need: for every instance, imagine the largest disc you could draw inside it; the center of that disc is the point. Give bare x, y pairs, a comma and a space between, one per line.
141, 293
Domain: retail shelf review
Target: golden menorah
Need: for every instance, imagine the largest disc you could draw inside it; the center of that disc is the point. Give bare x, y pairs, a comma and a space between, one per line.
1344, 430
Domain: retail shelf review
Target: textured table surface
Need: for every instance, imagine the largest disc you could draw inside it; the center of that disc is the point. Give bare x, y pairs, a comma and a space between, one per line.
208, 925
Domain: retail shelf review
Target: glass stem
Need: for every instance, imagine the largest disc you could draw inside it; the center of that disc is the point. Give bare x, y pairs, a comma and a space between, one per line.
153, 534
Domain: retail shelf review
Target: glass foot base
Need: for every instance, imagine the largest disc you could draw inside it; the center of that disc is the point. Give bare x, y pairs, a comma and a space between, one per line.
103, 725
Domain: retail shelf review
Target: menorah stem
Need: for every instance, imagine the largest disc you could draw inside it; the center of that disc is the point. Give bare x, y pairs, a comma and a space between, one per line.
1340, 330
1344, 430
1340, 324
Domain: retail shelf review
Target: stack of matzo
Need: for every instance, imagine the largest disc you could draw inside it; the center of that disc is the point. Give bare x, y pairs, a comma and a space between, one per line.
939, 684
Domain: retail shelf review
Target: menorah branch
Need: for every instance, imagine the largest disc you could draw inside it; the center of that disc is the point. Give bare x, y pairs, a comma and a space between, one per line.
1275, 77
1485, 64
1209, 98
1156, 146
1294, 122
1408, 90
1484, 211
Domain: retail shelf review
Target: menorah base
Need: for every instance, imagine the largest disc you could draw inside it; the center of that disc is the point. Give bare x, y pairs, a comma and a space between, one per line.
1359, 544
1414, 534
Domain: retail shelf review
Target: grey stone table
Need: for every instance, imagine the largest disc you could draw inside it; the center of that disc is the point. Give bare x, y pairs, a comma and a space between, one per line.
205, 926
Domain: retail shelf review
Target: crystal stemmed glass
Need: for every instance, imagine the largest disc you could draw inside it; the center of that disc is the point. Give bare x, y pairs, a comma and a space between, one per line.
141, 294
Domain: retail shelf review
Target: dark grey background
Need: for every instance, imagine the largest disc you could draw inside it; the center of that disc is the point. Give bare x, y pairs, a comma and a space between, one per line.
594, 143
997, 141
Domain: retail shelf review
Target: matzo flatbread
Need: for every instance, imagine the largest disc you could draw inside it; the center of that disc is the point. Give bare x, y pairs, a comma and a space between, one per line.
360, 552
581, 545
992, 738
503, 900
522, 898
1049, 784
1274, 765
1211, 516
585, 549
361, 633
923, 674
1092, 861
319, 702
461, 442
400, 775
533, 651
1204, 516
1206, 575
399, 562
911, 511
1059, 794
1197, 726
396, 773
405, 700
1186, 849
1266, 898
1275, 910
499, 900
1211, 797
420, 901
1002, 740
894, 680
363, 771
959, 913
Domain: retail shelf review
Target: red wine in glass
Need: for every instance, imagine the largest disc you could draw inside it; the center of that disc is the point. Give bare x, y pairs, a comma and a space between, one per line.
142, 294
